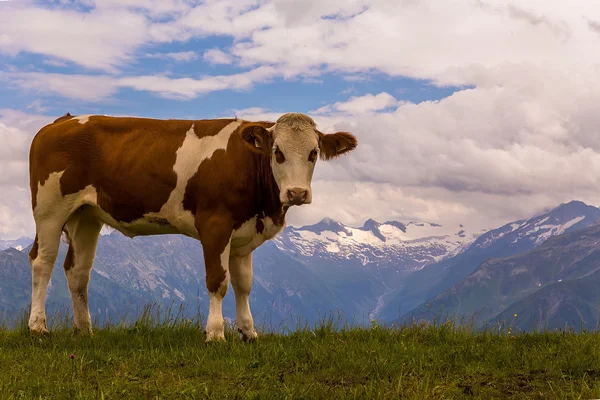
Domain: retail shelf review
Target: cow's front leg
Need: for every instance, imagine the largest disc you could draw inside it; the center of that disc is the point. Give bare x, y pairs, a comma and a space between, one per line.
215, 236
240, 269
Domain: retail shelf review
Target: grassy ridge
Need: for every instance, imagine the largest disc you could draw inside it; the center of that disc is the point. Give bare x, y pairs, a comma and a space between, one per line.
169, 359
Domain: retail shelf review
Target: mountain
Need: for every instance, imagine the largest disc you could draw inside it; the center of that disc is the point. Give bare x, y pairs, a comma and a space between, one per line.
305, 273
18, 244
508, 240
409, 246
553, 281
302, 275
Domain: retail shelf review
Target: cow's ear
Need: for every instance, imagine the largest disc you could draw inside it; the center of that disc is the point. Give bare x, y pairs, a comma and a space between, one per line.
257, 138
335, 144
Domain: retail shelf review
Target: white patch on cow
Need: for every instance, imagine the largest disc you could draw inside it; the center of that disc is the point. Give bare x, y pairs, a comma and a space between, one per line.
246, 239
215, 329
190, 155
82, 119
51, 204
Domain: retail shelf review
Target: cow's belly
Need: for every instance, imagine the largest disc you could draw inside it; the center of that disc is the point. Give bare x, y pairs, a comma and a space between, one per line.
252, 234
146, 225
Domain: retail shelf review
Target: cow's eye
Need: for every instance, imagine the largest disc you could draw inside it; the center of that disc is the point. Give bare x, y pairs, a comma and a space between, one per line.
279, 157
312, 157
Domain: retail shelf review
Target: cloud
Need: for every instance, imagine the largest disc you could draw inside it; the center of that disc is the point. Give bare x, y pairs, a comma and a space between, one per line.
107, 35
16, 131
188, 88
37, 106
362, 104
216, 56
79, 87
594, 25
558, 26
102, 87
394, 38
483, 156
102, 39
183, 56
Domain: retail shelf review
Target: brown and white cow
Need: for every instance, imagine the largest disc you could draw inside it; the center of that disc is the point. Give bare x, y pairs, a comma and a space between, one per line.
226, 182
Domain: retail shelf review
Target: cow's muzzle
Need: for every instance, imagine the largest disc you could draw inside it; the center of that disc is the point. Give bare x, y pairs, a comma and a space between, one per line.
297, 196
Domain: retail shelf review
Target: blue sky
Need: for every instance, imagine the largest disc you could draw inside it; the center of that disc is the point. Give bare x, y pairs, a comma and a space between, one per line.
467, 112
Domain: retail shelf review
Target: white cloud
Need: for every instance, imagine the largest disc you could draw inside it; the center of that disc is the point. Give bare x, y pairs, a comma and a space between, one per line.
187, 88
182, 56
398, 38
482, 156
103, 39
37, 106
102, 87
79, 87
216, 56
362, 104
16, 131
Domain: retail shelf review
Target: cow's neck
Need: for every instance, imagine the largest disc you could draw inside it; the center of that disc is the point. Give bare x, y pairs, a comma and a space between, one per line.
268, 198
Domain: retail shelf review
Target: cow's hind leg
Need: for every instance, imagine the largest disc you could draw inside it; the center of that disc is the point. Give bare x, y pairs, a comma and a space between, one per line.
240, 269
42, 258
83, 230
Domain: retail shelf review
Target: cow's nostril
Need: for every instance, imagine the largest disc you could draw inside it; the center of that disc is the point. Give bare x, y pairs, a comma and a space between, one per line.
297, 195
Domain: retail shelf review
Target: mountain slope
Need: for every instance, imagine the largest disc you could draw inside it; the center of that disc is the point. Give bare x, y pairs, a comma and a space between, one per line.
574, 303
511, 239
498, 283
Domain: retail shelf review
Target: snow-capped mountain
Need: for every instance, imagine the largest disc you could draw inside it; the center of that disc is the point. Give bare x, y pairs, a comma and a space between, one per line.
508, 240
18, 244
409, 246
538, 229
564, 270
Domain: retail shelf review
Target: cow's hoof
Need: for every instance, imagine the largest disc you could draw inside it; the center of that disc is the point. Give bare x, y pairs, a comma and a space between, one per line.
215, 337
39, 332
83, 331
249, 336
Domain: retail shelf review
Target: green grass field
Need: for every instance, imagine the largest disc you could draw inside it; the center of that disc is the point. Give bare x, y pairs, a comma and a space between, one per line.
170, 360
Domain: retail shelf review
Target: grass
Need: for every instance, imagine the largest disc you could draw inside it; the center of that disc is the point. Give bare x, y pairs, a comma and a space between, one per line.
167, 358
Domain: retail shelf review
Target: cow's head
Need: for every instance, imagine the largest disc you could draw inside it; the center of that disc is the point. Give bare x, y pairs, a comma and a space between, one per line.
293, 145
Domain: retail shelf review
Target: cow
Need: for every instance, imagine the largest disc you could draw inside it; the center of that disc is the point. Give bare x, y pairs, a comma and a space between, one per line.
225, 182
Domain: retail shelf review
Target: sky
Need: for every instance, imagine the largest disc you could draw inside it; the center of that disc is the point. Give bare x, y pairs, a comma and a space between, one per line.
472, 112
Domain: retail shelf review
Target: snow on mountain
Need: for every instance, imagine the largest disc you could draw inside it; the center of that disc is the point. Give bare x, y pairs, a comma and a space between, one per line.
414, 245
18, 244
538, 229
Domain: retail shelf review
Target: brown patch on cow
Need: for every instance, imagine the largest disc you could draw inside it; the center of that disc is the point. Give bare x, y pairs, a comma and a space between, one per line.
335, 144
34, 249
241, 181
214, 230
